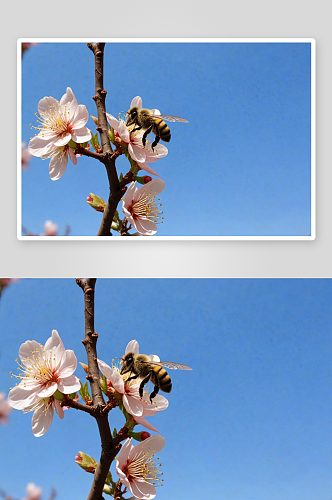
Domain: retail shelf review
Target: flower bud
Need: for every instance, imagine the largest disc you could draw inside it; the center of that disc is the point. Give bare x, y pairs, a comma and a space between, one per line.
145, 435
147, 179
110, 387
84, 366
95, 120
85, 462
95, 202
139, 436
108, 489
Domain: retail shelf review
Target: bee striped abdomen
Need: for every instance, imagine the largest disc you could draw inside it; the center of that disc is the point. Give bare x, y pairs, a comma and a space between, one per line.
164, 131
164, 380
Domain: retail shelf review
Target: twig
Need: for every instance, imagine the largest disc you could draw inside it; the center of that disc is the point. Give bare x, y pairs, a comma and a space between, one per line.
108, 446
115, 190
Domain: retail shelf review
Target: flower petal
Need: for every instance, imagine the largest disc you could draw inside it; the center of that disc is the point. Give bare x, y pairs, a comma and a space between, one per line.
72, 156
145, 227
136, 102
46, 104
63, 140
47, 391
142, 490
112, 121
160, 151
145, 423
68, 364
58, 408
154, 357
113, 375
54, 341
81, 135
124, 452
147, 168
132, 346
138, 154
20, 398
58, 166
153, 444
42, 419
39, 146
68, 98
153, 187
159, 403
69, 384
130, 193
30, 348
81, 117
132, 405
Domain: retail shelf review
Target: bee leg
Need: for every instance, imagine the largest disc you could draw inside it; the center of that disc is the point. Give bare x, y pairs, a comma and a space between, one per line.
155, 389
132, 377
136, 128
155, 142
146, 133
143, 383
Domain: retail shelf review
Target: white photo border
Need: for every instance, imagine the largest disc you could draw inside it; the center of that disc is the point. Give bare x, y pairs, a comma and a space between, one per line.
312, 41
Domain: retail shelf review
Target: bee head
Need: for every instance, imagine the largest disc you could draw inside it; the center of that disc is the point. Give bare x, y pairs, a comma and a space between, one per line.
131, 116
126, 363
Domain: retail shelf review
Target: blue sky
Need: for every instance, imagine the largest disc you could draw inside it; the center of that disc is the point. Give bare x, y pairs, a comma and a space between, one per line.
252, 421
240, 167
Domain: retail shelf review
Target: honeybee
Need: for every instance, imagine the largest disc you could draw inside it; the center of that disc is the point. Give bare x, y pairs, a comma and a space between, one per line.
141, 366
145, 119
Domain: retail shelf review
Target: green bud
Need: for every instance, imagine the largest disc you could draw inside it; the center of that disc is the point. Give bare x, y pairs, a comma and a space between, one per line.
96, 202
139, 436
84, 392
141, 180
85, 367
103, 384
95, 143
111, 134
108, 489
85, 462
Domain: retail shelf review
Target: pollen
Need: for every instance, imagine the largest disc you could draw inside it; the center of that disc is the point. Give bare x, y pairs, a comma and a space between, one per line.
56, 119
146, 206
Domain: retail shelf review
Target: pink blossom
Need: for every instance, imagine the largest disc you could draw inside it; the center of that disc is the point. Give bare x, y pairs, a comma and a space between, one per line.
33, 492
140, 154
50, 228
137, 469
25, 157
140, 207
5, 409
60, 122
45, 370
136, 406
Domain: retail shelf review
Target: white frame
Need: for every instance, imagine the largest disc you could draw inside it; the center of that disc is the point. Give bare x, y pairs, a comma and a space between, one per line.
312, 41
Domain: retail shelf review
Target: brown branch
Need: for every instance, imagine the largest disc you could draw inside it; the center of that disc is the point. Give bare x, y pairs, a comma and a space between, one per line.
115, 190
88, 152
71, 403
109, 447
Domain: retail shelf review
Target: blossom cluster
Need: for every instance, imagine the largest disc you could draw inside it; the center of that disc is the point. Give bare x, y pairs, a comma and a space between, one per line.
47, 373
62, 127
139, 205
136, 466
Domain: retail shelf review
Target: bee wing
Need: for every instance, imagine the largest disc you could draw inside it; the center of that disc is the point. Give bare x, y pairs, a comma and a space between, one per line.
171, 118
172, 366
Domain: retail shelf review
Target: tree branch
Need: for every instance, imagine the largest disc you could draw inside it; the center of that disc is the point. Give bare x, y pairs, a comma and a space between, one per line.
109, 448
115, 190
